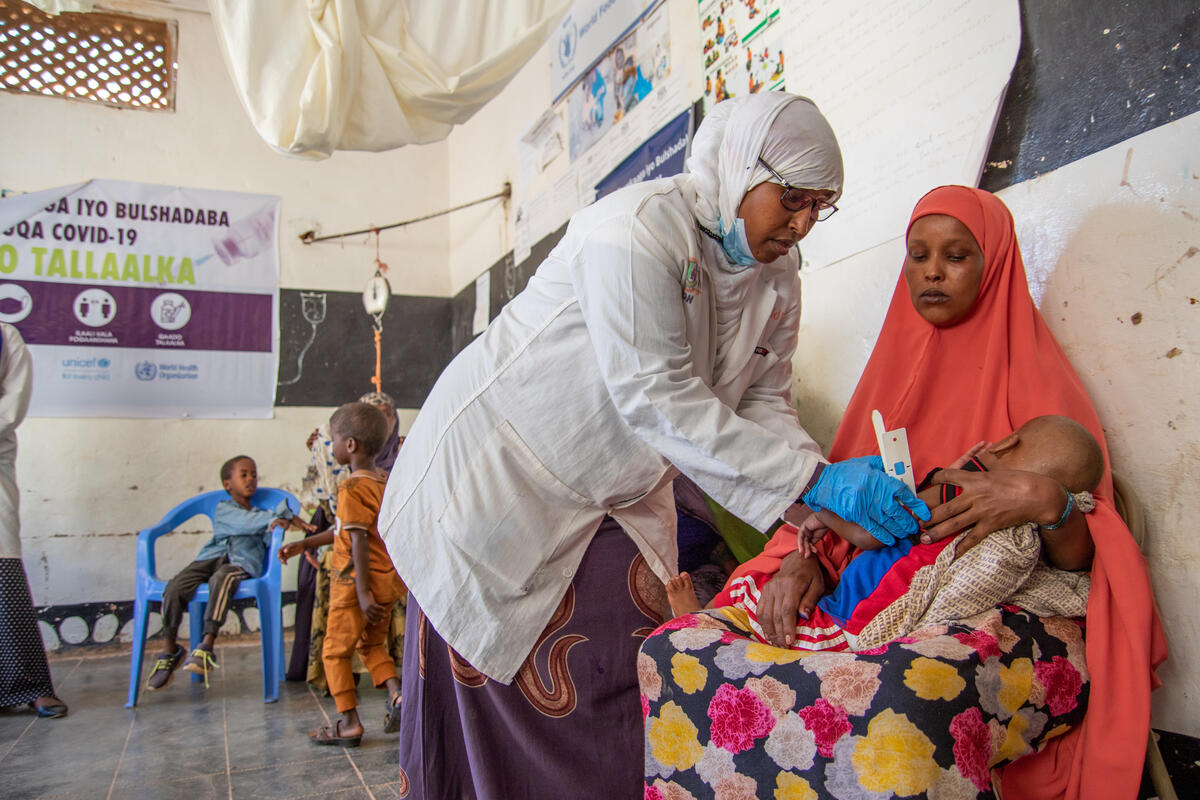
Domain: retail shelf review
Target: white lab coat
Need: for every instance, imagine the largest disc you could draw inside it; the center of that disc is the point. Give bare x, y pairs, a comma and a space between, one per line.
16, 382
583, 398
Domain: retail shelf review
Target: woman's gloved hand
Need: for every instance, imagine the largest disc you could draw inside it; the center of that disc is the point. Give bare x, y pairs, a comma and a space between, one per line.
859, 491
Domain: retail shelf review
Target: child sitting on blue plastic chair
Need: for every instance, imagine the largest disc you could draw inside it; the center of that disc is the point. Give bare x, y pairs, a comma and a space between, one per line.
236, 550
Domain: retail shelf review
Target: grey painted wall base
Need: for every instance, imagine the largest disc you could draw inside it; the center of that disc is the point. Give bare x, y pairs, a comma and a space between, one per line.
85, 625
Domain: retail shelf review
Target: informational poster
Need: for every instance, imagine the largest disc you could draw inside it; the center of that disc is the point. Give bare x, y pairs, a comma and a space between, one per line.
742, 46
624, 77
139, 300
914, 102
586, 33
664, 154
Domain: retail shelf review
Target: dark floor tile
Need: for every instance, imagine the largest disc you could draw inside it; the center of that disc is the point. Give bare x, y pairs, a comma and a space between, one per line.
378, 760
328, 776
89, 743
13, 724
160, 762
85, 777
206, 787
284, 743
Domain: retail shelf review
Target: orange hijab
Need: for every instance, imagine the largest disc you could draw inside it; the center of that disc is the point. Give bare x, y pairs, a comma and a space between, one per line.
981, 379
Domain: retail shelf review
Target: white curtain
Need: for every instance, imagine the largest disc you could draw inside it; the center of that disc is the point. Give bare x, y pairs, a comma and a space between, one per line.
373, 74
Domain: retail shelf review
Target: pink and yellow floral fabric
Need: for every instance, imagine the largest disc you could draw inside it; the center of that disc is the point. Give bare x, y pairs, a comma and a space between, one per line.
927, 715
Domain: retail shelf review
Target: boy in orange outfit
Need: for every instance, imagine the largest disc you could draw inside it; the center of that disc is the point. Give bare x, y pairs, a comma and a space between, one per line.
363, 582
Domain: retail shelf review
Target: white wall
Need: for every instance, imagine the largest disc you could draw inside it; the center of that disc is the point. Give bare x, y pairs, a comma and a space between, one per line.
87, 485
1100, 243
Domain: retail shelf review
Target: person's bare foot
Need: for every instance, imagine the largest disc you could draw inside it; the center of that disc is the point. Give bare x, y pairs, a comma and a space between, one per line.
681, 595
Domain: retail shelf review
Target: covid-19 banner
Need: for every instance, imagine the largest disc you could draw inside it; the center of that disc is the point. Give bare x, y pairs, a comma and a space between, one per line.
139, 300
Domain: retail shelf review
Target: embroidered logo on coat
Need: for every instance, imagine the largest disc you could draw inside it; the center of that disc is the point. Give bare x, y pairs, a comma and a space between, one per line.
691, 281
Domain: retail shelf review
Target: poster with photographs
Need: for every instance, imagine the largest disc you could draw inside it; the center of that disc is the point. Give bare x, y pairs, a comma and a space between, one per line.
621, 79
742, 48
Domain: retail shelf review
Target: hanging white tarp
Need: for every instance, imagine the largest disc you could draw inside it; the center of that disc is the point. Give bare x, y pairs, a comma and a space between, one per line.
373, 74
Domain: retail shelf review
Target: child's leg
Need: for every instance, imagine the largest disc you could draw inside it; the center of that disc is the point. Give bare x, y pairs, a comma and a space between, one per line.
221, 588
682, 595
373, 650
178, 592
343, 627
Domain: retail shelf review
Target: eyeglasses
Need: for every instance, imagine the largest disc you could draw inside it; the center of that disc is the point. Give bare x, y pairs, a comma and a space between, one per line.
796, 199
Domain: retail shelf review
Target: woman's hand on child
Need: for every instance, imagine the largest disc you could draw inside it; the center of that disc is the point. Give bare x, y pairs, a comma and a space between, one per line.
991, 501
795, 589
311, 558
966, 457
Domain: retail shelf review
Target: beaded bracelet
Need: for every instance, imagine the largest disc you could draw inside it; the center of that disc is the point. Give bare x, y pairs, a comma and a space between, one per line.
1066, 513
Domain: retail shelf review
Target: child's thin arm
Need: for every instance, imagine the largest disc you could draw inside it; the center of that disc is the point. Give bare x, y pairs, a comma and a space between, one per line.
311, 543
859, 536
360, 553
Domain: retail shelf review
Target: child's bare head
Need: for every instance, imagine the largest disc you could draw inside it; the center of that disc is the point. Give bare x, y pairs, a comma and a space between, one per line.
239, 477
1058, 447
361, 422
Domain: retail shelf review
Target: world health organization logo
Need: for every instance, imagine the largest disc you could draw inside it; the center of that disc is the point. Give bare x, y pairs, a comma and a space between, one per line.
145, 370
567, 44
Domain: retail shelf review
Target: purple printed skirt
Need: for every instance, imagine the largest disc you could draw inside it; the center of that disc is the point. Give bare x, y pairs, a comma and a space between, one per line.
569, 725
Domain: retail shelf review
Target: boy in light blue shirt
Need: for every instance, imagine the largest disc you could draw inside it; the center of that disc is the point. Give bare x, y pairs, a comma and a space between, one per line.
236, 551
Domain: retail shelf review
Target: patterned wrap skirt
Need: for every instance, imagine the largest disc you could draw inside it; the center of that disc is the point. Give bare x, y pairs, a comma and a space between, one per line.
24, 672
926, 715
570, 723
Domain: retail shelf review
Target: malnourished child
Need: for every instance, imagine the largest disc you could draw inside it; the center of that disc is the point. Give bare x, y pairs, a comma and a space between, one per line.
889, 591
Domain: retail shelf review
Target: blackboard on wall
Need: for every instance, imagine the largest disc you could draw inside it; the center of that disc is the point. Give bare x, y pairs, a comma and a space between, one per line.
327, 347
1091, 74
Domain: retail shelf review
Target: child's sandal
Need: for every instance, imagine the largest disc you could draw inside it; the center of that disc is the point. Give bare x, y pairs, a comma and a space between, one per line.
332, 736
391, 722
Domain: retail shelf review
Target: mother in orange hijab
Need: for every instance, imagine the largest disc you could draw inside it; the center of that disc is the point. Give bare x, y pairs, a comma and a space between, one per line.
965, 355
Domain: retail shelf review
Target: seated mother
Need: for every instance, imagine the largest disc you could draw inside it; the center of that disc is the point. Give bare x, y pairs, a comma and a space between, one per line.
963, 354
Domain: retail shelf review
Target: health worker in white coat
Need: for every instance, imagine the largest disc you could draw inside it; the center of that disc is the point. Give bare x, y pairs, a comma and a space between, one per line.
656, 338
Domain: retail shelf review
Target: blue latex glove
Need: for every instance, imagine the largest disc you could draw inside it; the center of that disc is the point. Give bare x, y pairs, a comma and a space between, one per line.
859, 491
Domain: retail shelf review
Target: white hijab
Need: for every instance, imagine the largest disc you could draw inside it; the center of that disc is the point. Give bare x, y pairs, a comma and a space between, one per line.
786, 130
791, 135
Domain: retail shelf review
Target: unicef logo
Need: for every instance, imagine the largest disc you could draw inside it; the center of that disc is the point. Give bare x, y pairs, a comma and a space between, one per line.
104, 363
567, 44
145, 370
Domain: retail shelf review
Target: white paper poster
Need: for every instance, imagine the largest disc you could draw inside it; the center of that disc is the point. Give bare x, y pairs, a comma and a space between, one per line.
587, 31
742, 46
140, 300
913, 97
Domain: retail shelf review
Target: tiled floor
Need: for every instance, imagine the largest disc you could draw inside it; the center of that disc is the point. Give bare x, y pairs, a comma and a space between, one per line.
188, 742
224, 742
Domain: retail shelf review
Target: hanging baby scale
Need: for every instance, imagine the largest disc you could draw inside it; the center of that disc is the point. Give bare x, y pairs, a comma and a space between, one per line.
375, 300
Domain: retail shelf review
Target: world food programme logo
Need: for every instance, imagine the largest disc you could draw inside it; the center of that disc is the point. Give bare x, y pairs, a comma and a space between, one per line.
567, 44
145, 370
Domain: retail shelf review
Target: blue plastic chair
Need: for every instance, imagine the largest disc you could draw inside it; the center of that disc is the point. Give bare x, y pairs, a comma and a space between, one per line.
266, 591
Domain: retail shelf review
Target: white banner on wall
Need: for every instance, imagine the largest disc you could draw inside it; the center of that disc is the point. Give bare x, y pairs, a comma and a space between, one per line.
914, 100
140, 300
588, 30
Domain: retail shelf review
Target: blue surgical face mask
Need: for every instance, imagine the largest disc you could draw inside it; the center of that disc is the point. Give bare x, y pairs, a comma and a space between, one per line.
737, 247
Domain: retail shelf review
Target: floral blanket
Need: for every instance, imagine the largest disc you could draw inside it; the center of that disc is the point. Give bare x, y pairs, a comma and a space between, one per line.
929, 714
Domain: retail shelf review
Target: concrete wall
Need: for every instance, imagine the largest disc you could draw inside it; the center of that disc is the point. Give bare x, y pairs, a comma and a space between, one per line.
87, 485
